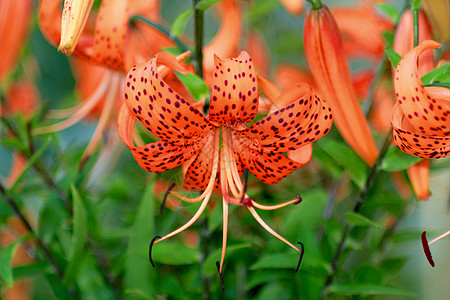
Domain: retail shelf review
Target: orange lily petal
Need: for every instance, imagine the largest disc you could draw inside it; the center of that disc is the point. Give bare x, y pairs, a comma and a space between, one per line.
324, 51
302, 119
286, 75
294, 7
362, 30
226, 41
259, 52
234, 97
424, 130
419, 177
12, 37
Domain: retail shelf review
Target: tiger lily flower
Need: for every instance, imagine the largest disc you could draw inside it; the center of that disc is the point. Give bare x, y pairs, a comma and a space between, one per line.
215, 149
325, 55
109, 50
421, 115
403, 42
12, 38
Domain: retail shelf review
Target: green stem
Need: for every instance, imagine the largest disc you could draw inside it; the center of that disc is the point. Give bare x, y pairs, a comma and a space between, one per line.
416, 4
180, 44
359, 202
315, 4
198, 36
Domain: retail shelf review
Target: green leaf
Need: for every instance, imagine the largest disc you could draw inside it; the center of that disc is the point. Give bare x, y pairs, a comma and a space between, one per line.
356, 219
36, 155
195, 85
6, 255
327, 163
348, 159
416, 4
277, 261
393, 265
138, 270
368, 289
390, 10
180, 22
205, 4
393, 56
79, 236
368, 274
209, 266
397, 160
171, 253
34, 269
441, 75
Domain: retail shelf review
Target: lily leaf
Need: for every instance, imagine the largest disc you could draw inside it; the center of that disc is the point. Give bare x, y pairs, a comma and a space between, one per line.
171, 253
368, 289
205, 4
441, 75
396, 160
195, 85
180, 22
138, 273
390, 10
348, 159
357, 219
393, 56
6, 255
79, 236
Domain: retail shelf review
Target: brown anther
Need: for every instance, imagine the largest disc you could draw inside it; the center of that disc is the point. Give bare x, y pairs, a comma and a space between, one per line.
426, 249
165, 198
150, 249
247, 202
299, 199
301, 256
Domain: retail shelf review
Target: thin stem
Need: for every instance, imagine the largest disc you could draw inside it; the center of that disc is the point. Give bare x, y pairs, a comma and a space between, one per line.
198, 34
180, 44
315, 4
415, 8
359, 202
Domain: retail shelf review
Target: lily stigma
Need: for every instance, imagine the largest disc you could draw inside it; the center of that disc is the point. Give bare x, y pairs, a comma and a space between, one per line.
217, 148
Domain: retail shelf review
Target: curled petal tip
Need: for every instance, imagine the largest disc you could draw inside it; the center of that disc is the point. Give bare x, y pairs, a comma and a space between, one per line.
150, 249
301, 256
426, 248
220, 274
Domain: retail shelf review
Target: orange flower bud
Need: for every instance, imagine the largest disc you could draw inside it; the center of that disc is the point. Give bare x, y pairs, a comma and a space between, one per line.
326, 58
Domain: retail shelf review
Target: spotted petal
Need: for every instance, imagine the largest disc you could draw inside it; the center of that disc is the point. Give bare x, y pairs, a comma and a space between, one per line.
154, 157
159, 108
420, 117
301, 119
234, 97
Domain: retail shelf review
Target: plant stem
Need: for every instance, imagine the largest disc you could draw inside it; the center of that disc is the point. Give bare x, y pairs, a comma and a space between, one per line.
415, 8
315, 4
42, 245
359, 202
198, 36
180, 44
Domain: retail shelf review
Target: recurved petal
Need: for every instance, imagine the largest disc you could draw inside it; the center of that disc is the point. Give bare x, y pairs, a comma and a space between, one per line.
268, 166
301, 119
159, 108
234, 96
428, 115
158, 156
49, 19
110, 32
419, 175
416, 143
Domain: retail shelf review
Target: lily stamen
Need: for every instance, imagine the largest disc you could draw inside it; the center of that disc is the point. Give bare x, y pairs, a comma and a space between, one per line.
426, 244
150, 249
165, 198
